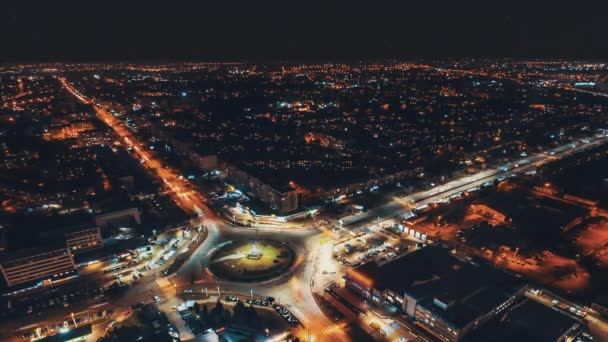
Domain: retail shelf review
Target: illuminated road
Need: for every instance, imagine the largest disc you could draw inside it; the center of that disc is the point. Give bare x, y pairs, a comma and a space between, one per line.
314, 268
403, 206
294, 293
179, 188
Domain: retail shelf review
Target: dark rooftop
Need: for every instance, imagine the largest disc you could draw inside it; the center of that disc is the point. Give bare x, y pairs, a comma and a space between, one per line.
69, 335
414, 268
527, 320
457, 290
112, 246
468, 293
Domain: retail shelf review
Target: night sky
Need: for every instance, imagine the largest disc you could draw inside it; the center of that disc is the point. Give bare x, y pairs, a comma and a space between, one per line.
298, 30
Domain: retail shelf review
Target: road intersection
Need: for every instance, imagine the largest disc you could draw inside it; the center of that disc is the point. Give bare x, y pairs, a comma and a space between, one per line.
314, 268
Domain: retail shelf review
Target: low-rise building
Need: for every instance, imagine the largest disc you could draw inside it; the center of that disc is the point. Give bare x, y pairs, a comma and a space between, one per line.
37, 266
529, 320
281, 201
84, 240
118, 218
444, 294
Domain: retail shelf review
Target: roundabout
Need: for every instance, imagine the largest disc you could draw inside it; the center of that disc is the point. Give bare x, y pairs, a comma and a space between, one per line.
251, 261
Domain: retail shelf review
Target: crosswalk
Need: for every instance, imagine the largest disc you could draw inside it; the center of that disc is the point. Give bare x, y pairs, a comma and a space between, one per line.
332, 330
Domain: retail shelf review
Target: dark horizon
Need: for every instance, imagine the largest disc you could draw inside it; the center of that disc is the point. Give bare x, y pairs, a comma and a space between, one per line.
298, 32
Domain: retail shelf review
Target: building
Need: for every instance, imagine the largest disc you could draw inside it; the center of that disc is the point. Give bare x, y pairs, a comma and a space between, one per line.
81, 333
46, 267
337, 194
207, 162
84, 240
529, 320
118, 218
494, 217
445, 295
281, 201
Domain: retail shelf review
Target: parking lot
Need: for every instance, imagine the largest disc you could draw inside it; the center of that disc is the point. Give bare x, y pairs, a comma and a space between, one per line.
289, 317
368, 245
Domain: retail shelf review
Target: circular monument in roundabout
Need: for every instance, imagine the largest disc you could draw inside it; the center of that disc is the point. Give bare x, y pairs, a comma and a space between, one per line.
251, 260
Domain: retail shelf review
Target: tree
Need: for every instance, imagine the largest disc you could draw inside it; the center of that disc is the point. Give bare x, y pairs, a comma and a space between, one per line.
252, 317
122, 333
218, 315
205, 315
239, 314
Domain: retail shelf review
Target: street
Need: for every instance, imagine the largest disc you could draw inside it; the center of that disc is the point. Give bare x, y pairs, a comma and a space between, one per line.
313, 271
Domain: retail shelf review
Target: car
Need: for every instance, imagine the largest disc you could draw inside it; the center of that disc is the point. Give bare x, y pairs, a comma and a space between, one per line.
111, 325
157, 299
555, 302
231, 299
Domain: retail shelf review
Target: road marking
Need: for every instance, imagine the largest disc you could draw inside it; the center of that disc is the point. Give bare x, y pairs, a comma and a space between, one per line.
330, 330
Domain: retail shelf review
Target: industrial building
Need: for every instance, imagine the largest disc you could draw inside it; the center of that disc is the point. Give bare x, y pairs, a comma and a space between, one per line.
529, 320
445, 295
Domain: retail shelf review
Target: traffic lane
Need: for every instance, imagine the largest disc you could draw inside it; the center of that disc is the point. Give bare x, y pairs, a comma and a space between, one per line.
397, 207
219, 233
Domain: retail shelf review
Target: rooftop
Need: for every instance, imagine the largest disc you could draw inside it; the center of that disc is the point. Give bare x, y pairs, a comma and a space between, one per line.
522, 323
72, 334
461, 297
454, 289
422, 266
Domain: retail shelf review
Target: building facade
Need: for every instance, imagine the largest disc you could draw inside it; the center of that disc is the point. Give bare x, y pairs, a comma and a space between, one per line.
45, 267
118, 218
84, 240
447, 296
280, 201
